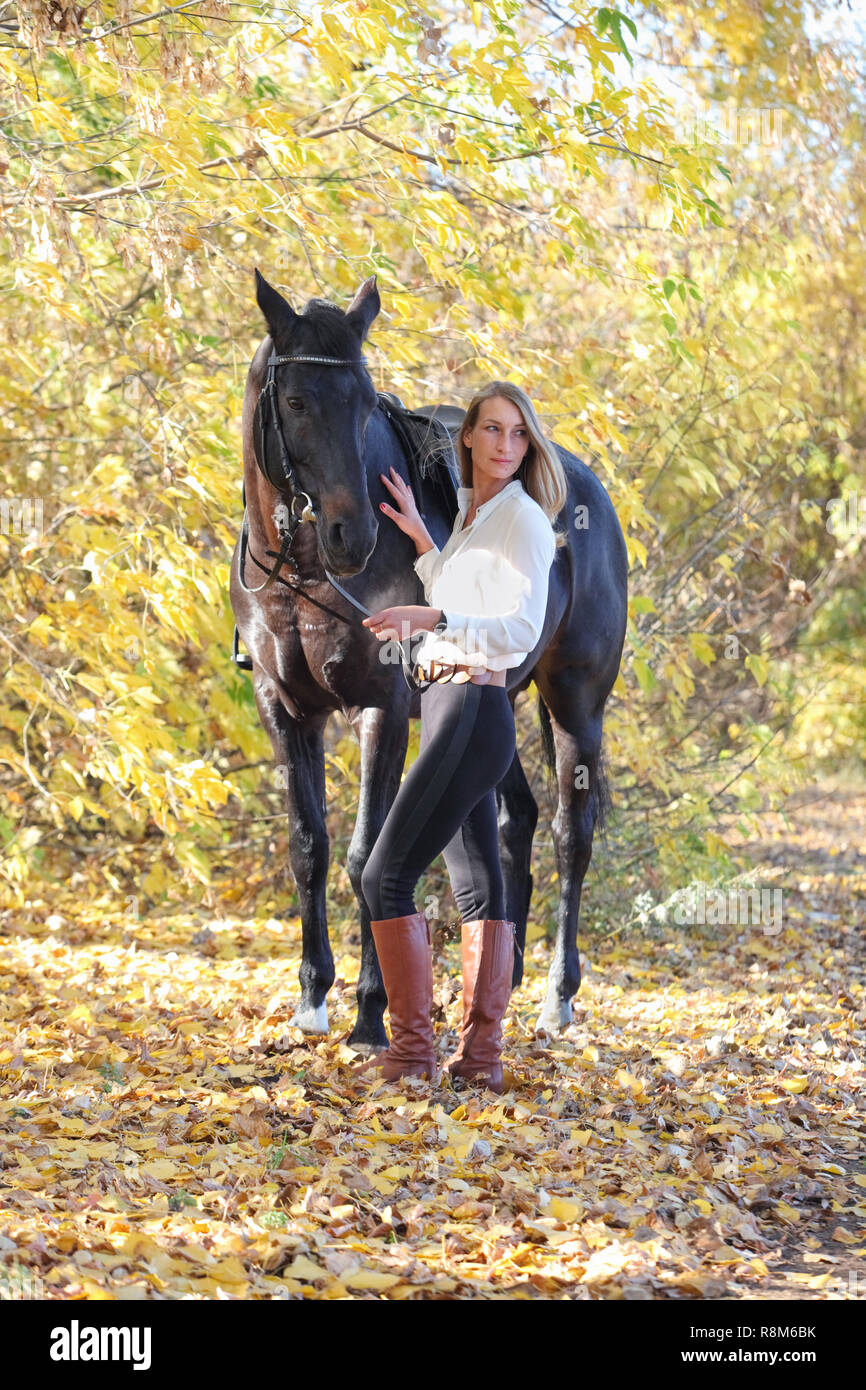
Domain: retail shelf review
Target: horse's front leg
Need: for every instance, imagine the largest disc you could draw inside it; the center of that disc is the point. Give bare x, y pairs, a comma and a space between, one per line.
299, 753
383, 735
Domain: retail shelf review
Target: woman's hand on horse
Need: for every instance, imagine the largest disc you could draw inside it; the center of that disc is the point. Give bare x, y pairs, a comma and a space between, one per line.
402, 621
407, 517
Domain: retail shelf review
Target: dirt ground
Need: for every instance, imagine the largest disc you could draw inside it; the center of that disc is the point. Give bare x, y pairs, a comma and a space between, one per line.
820, 846
697, 1133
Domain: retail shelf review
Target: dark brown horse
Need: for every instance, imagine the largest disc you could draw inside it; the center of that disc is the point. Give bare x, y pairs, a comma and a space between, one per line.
321, 432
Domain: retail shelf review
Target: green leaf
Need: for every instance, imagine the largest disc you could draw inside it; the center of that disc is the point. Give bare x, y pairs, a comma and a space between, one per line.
701, 648
758, 667
645, 678
613, 21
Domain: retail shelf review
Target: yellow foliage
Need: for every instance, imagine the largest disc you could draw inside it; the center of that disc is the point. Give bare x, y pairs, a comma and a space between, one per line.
364, 137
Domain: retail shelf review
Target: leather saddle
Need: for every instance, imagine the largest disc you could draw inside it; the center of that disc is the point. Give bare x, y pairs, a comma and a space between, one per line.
451, 416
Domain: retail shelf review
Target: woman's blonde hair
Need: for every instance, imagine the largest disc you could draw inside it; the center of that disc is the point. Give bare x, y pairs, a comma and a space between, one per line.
541, 470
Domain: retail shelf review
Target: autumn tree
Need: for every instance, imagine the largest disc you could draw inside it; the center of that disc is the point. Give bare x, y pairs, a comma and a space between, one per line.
549, 193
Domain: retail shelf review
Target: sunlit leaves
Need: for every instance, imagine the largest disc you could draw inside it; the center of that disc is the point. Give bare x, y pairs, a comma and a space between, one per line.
194, 1144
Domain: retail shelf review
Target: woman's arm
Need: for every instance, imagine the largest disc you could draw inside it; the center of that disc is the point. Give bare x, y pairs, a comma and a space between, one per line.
427, 567
514, 588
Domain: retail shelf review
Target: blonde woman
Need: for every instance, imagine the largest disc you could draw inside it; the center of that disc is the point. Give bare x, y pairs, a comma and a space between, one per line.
487, 595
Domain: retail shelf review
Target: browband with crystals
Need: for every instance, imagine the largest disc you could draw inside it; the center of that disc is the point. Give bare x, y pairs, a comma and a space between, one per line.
329, 361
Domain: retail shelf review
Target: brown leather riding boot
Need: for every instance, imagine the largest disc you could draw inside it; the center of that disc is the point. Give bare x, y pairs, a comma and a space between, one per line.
488, 961
403, 945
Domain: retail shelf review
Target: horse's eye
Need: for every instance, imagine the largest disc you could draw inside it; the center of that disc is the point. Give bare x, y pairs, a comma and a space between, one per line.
295, 403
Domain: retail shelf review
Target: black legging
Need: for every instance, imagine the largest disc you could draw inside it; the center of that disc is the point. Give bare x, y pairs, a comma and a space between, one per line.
446, 804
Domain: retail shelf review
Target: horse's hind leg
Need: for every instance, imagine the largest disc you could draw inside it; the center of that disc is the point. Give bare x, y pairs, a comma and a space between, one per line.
577, 738
299, 754
518, 817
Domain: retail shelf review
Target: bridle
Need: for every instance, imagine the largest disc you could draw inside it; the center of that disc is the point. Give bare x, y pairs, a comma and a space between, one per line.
288, 519
284, 480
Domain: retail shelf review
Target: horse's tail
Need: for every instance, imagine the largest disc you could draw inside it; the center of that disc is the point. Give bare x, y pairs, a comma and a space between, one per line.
603, 799
548, 747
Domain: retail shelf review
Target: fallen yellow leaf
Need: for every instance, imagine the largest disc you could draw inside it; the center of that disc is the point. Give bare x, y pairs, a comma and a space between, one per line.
369, 1279
302, 1268
159, 1168
845, 1237
564, 1210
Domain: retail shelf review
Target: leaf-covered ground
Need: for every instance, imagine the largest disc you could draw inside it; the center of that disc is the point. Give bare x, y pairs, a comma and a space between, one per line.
697, 1133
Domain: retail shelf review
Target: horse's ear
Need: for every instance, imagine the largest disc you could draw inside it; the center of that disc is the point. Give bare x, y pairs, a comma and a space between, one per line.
364, 308
278, 313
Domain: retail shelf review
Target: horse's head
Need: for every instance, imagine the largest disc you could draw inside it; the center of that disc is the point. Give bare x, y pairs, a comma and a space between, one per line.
323, 410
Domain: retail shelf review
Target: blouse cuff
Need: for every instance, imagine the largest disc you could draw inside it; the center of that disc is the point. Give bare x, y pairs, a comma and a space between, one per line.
424, 564
457, 631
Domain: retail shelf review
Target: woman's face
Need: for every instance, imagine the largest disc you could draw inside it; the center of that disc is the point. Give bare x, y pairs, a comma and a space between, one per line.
498, 440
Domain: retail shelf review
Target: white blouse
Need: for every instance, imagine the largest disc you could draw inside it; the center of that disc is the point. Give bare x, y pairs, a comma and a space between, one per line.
491, 580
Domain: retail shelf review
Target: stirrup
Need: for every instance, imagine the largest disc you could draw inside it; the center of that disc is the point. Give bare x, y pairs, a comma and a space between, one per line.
240, 659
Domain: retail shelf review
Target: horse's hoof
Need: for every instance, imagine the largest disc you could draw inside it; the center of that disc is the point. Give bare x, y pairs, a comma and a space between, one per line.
554, 1017
311, 1020
367, 1038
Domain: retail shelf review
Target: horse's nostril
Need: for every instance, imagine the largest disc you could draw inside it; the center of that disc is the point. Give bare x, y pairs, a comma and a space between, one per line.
341, 537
